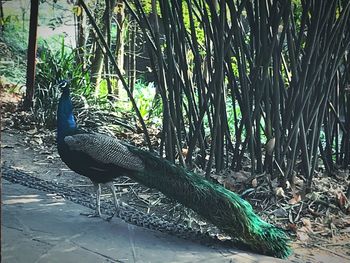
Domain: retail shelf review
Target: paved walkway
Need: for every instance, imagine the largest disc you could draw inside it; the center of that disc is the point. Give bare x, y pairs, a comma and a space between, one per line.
41, 227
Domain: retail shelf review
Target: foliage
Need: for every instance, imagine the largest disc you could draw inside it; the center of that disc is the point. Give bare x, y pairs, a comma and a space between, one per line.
231, 109
15, 36
53, 66
144, 95
147, 6
13, 69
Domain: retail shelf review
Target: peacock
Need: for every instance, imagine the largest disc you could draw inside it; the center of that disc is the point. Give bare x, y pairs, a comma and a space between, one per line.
103, 158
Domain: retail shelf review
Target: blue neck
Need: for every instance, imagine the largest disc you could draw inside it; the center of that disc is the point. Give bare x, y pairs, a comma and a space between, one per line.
65, 117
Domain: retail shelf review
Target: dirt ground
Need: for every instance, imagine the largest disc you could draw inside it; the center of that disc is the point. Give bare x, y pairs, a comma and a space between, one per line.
33, 150
28, 151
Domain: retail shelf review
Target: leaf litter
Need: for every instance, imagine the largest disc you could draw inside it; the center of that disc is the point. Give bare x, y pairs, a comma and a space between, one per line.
320, 219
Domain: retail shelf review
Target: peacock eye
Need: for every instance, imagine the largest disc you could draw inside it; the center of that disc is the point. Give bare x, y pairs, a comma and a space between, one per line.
63, 84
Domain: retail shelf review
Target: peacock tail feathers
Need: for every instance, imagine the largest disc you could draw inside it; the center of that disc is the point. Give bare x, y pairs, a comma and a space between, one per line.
225, 209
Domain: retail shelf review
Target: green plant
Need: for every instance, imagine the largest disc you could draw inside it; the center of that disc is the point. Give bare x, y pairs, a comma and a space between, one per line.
231, 114
53, 66
144, 96
13, 51
15, 36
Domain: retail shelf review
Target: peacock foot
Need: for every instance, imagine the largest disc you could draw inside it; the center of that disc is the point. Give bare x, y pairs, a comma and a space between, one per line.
108, 219
116, 212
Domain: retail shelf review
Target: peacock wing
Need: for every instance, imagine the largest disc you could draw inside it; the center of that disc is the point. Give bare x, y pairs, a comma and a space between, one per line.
104, 149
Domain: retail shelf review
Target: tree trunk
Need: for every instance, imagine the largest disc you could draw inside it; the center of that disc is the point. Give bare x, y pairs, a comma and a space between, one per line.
132, 56
31, 54
120, 41
80, 37
2, 26
98, 60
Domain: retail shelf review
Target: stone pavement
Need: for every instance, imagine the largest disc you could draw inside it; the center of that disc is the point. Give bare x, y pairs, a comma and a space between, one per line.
41, 227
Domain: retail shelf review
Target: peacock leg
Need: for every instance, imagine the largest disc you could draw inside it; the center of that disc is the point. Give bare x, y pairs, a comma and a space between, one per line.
116, 202
97, 213
98, 199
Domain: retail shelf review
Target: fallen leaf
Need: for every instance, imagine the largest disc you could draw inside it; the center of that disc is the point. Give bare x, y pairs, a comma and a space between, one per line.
280, 212
302, 234
279, 192
296, 199
345, 230
270, 146
341, 198
274, 183
229, 183
254, 182
240, 177
313, 196
341, 222
38, 141
144, 196
292, 227
287, 185
77, 10
299, 182
33, 131
219, 178
307, 224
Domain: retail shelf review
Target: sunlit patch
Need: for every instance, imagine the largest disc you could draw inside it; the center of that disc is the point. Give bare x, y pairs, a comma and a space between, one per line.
53, 204
70, 249
21, 199
55, 196
23, 196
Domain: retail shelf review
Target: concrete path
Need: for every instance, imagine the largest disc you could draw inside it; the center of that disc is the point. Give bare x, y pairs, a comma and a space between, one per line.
41, 227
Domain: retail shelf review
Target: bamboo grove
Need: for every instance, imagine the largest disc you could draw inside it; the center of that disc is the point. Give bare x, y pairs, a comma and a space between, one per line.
263, 81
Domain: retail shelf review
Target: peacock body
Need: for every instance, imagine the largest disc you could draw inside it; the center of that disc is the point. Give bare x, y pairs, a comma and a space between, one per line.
102, 158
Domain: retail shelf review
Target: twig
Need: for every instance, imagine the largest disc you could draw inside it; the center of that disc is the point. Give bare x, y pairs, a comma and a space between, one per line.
321, 202
338, 244
80, 185
139, 198
125, 184
279, 168
331, 251
298, 215
156, 201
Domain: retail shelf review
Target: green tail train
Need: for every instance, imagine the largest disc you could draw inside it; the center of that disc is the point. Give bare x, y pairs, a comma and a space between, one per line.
225, 209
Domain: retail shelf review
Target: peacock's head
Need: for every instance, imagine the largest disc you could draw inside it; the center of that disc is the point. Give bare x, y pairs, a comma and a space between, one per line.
63, 85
